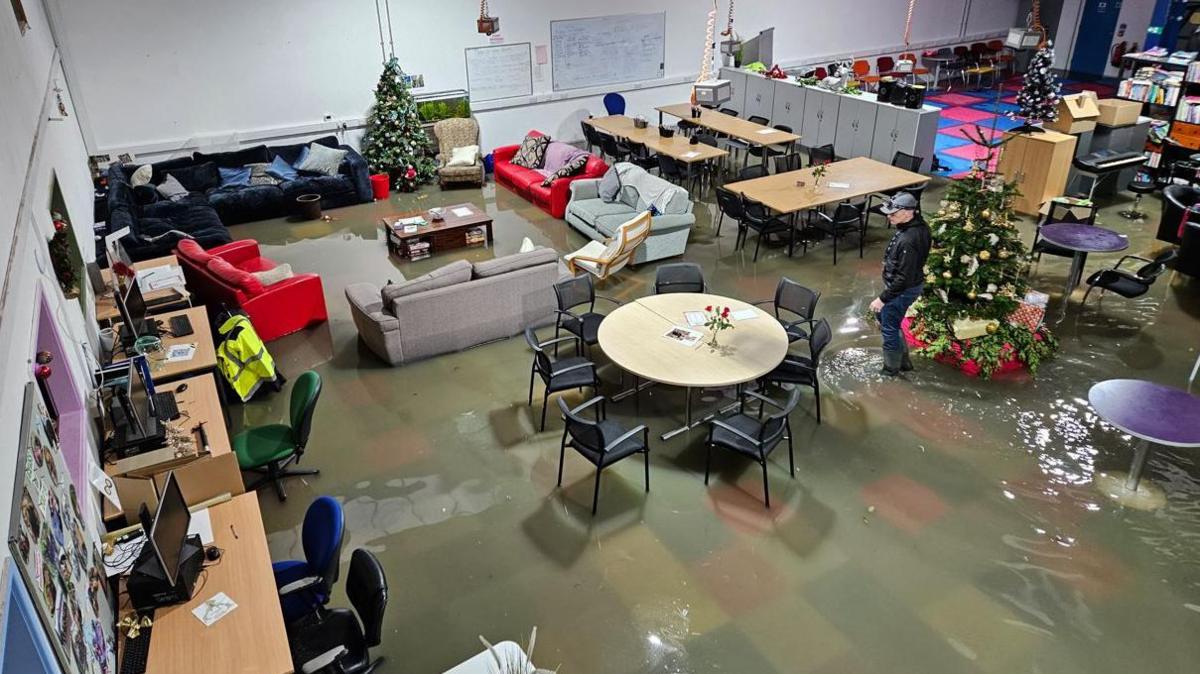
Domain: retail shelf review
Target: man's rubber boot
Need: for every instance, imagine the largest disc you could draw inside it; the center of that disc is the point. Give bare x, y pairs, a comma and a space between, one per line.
891, 362
905, 362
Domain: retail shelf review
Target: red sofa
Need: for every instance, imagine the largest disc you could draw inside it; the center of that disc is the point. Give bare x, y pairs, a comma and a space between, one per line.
222, 277
528, 183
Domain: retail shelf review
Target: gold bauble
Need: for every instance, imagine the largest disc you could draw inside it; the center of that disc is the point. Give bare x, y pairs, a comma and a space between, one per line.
947, 274
984, 255
968, 227
985, 214
1004, 254
992, 328
971, 294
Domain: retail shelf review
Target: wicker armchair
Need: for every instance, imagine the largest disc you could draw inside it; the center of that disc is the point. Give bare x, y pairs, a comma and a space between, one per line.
452, 133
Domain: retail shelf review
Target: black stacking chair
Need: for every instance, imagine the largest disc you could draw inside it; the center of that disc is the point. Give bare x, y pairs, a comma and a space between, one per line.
711, 167
578, 291
679, 277
733, 144
1129, 284
901, 160
338, 640
1060, 212
669, 169
640, 155
766, 151
590, 136
846, 219
754, 437
560, 374
821, 155
603, 442
612, 147
752, 172
762, 221
787, 163
729, 203
795, 300
800, 370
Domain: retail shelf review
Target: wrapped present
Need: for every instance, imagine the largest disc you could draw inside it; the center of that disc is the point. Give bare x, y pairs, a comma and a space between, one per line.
969, 328
1029, 315
1037, 299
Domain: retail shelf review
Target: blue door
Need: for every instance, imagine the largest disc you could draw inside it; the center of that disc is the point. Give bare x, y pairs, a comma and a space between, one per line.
1093, 40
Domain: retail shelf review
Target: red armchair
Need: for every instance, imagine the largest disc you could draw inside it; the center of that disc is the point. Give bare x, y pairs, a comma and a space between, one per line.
223, 276
528, 182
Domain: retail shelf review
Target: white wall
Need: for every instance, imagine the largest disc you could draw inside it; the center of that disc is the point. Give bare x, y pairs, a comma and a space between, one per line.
32, 150
167, 75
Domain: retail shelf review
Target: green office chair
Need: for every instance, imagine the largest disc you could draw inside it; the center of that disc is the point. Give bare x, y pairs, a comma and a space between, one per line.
269, 449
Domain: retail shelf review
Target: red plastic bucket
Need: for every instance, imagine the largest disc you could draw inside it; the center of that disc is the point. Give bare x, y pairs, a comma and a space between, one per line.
380, 185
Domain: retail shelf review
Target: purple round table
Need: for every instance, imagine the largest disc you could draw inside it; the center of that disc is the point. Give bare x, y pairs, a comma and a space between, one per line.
1151, 412
1082, 239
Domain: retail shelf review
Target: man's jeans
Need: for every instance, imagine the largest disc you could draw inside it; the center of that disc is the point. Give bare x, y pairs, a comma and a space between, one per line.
893, 313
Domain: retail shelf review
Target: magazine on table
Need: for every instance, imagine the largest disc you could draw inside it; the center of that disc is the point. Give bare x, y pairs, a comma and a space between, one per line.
683, 336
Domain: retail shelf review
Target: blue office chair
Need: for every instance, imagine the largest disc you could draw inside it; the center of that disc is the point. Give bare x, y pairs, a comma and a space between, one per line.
305, 585
614, 103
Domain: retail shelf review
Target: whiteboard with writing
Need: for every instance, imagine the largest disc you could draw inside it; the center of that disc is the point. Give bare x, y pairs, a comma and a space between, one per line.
501, 71
608, 50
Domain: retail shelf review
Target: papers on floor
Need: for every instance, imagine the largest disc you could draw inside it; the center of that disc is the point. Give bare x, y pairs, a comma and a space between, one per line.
694, 318
839, 186
743, 314
201, 525
683, 336
124, 554
180, 352
160, 278
462, 212
212, 610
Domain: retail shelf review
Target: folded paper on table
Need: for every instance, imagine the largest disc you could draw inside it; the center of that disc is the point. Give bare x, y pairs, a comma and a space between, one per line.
839, 185
683, 336
161, 277
694, 318
213, 609
462, 212
743, 314
201, 525
690, 154
180, 352
765, 132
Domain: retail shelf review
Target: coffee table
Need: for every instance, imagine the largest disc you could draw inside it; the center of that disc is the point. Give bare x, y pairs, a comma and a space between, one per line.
632, 337
1156, 415
445, 234
1082, 239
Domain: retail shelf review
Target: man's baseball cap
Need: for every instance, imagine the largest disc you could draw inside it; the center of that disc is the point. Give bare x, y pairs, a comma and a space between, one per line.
901, 201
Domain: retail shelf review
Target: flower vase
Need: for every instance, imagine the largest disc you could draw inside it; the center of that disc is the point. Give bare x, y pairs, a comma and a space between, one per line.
712, 341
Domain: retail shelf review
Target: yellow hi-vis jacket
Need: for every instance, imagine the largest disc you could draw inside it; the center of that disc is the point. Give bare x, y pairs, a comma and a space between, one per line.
242, 357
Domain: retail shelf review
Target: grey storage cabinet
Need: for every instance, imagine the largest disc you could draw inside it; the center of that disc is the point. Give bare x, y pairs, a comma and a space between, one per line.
856, 127
737, 87
820, 117
904, 130
760, 97
788, 108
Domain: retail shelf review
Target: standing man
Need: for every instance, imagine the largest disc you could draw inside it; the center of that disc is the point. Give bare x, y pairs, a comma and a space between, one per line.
903, 277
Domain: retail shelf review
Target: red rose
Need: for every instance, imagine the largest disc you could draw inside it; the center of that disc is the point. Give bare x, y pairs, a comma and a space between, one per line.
725, 313
708, 308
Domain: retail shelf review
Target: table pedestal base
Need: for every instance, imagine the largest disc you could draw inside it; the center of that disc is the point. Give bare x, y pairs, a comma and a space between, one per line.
689, 424
1147, 496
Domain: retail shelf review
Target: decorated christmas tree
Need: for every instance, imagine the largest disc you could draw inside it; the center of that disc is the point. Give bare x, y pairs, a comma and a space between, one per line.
1038, 98
974, 281
60, 256
394, 142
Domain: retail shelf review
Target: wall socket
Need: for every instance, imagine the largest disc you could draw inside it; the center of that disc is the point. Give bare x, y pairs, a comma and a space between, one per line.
328, 117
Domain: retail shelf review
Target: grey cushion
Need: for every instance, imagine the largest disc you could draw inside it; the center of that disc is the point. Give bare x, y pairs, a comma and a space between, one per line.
259, 174
458, 271
503, 265
591, 209
322, 159
610, 185
631, 197
172, 189
608, 224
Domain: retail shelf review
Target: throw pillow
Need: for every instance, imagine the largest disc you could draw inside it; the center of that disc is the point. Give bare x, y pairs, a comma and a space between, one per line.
610, 186
282, 170
141, 176
243, 280
569, 169
145, 195
451, 274
198, 178
321, 159
234, 177
532, 152
172, 189
463, 156
272, 276
262, 174
193, 251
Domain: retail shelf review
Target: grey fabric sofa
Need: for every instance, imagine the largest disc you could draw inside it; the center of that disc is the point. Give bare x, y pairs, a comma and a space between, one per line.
599, 219
456, 306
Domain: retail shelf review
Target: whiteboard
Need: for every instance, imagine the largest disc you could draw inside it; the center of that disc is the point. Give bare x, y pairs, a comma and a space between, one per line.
608, 50
501, 71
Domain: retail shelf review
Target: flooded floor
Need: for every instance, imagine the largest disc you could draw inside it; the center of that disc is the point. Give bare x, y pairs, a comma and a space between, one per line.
935, 524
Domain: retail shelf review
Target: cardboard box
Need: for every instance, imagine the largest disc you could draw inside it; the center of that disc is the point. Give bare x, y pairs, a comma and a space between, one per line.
1077, 113
1118, 112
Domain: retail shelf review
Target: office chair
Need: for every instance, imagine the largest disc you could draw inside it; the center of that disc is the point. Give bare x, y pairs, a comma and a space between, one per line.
846, 219
1129, 284
602, 442
1060, 212
269, 449
304, 585
729, 203
679, 277
578, 291
797, 300
614, 103
821, 155
561, 374
340, 641
800, 370
758, 217
754, 437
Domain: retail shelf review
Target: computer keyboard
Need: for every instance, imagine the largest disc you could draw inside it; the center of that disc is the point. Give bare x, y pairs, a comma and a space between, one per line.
169, 297
181, 326
164, 406
136, 653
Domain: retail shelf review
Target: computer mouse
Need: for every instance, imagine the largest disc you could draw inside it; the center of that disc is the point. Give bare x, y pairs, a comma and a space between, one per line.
212, 553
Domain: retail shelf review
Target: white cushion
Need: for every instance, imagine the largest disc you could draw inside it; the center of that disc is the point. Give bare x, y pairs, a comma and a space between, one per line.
526, 246
463, 156
322, 159
141, 176
272, 276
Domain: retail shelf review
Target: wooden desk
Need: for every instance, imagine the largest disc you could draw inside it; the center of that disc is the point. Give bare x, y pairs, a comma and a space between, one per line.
865, 176
678, 147
754, 134
252, 638
106, 304
205, 358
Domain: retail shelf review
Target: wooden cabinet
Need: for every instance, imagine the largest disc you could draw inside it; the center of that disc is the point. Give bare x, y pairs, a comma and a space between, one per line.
760, 97
1039, 163
788, 108
737, 87
820, 117
855, 128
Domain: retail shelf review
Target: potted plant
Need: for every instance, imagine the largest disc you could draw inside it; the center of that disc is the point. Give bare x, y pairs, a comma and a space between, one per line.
717, 320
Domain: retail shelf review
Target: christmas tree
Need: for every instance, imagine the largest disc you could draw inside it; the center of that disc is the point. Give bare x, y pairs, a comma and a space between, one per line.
1038, 98
974, 278
394, 142
60, 256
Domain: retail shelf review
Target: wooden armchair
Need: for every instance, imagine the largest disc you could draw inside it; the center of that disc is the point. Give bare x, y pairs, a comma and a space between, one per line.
455, 133
605, 259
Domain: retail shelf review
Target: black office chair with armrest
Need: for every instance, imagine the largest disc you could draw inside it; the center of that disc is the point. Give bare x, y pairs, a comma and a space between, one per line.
602, 442
754, 437
590, 137
787, 163
760, 219
669, 169
729, 203
1060, 212
561, 374
613, 147
577, 292
797, 300
339, 642
640, 155
846, 219
804, 371
1129, 284
752, 172
823, 154
679, 277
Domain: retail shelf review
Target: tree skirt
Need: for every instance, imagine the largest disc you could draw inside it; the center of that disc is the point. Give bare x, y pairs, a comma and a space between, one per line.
968, 366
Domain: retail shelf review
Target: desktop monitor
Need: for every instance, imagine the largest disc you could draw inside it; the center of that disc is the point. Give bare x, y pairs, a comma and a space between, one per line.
170, 528
133, 413
132, 307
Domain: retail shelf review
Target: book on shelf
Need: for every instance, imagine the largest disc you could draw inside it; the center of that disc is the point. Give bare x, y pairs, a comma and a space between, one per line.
1189, 110
1182, 58
1193, 72
1163, 91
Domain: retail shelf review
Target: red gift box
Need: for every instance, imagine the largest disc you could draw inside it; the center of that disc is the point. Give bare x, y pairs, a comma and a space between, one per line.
1028, 315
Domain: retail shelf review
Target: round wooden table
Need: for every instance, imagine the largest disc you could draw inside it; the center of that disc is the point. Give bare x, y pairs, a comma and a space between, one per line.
633, 338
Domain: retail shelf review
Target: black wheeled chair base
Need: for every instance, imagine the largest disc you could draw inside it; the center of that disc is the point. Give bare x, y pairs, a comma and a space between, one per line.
274, 473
